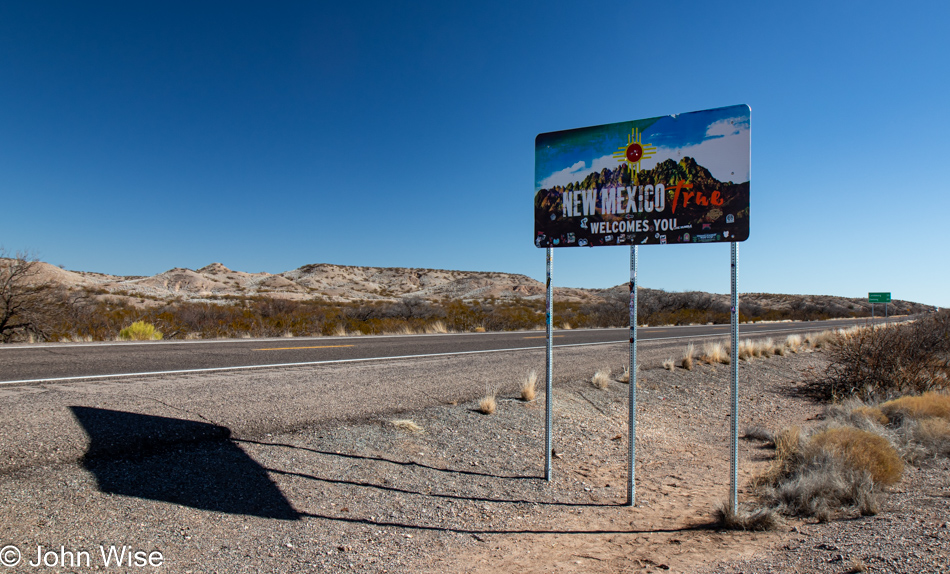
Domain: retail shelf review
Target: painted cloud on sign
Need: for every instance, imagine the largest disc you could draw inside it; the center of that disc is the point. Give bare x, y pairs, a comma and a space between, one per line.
714, 142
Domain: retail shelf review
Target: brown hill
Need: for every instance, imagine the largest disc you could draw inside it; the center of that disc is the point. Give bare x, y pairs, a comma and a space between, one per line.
343, 283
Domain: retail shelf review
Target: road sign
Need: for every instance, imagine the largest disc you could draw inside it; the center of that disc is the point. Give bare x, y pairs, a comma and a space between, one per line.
666, 180
879, 297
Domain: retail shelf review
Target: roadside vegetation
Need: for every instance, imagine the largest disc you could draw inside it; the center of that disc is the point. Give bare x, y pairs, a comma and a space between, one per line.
32, 309
887, 396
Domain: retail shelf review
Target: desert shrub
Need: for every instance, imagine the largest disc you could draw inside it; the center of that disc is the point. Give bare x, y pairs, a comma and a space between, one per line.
880, 363
140, 331
669, 364
834, 468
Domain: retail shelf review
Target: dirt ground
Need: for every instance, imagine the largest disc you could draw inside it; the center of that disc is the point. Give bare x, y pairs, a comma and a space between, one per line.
467, 493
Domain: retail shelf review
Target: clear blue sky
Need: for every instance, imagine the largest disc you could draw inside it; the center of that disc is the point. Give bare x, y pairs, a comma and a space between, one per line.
140, 136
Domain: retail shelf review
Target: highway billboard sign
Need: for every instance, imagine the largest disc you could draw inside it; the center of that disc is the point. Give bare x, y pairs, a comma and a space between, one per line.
666, 180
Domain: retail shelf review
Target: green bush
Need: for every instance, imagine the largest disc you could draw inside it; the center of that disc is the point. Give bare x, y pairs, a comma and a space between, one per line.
140, 331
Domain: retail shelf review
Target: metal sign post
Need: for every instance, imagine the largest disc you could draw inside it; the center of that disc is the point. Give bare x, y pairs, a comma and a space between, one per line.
881, 297
734, 363
632, 409
549, 369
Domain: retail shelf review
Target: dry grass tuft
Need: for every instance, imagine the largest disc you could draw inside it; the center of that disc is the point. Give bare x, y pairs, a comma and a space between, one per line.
406, 425
601, 378
872, 414
714, 352
566, 326
746, 349
669, 364
857, 566
793, 343
923, 406
820, 340
625, 375
436, 328
932, 434
688, 357
764, 348
760, 519
339, 331
529, 386
488, 405
479, 329
759, 433
863, 451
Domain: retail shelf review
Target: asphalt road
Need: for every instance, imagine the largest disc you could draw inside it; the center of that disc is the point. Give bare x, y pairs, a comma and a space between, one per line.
61, 362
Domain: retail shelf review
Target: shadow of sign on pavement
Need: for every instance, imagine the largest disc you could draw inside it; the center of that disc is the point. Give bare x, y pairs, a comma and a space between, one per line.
180, 461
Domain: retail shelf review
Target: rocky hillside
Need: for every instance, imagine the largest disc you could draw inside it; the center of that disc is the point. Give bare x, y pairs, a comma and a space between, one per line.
336, 283
342, 284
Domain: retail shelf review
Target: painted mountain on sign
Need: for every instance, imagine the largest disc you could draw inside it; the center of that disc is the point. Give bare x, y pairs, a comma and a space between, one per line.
684, 204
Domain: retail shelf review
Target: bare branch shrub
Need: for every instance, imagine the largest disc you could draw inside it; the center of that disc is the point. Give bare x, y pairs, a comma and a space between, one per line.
877, 364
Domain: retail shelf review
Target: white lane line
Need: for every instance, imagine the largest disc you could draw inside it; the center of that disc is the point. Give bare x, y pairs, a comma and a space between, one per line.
362, 360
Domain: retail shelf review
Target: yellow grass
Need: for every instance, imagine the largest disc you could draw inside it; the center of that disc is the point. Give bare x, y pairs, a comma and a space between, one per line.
919, 407
863, 450
140, 331
871, 413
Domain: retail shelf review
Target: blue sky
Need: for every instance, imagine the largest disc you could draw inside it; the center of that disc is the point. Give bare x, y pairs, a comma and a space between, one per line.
140, 136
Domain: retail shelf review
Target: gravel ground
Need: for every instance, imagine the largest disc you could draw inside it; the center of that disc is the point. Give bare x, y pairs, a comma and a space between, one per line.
350, 491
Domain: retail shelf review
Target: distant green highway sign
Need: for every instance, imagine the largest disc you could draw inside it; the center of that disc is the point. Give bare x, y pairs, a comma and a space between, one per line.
879, 297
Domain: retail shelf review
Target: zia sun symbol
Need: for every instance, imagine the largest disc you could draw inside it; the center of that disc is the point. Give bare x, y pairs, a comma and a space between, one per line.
634, 151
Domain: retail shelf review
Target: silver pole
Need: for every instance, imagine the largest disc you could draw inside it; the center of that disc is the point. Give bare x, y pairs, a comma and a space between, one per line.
548, 384
632, 410
734, 361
